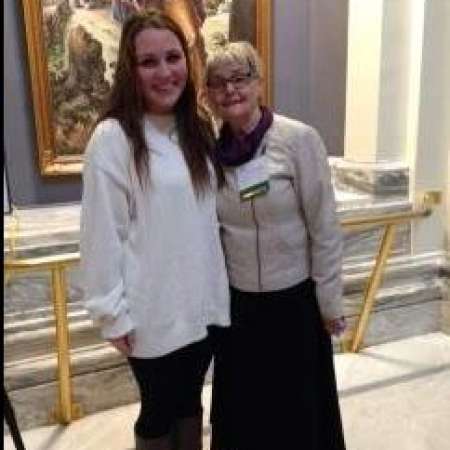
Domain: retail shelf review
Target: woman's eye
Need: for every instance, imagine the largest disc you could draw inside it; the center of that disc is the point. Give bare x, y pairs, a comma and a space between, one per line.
148, 62
173, 57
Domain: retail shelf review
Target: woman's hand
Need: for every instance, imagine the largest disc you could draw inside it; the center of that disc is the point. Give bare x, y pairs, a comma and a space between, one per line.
336, 326
124, 344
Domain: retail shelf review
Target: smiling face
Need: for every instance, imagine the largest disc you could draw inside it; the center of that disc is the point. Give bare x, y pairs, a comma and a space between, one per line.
234, 92
161, 69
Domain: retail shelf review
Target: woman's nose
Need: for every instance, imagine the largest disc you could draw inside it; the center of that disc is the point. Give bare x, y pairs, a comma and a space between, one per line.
163, 69
228, 86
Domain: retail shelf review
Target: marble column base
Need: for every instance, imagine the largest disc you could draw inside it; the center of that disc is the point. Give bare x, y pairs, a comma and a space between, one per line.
382, 180
43, 230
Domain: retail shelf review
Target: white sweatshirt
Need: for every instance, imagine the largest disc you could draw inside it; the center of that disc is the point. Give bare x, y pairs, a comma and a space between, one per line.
151, 259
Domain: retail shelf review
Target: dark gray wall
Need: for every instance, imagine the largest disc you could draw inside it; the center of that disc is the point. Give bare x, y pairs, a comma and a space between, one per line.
309, 65
27, 186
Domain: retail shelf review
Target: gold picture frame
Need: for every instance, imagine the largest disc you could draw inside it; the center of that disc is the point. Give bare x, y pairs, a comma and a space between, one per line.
55, 161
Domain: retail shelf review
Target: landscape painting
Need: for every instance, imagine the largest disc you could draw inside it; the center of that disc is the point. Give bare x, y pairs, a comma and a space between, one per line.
73, 46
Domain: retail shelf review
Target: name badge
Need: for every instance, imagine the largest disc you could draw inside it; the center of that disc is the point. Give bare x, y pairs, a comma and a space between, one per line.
252, 179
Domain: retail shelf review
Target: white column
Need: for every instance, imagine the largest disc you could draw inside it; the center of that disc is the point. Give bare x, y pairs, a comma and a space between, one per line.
398, 105
429, 131
398, 98
446, 308
429, 127
378, 72
379, 43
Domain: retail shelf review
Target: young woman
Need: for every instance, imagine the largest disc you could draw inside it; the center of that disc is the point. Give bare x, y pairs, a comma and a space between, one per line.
274, 382
155, 276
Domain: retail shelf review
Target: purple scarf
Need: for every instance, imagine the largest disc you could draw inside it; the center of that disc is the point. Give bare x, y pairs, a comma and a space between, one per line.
235, 150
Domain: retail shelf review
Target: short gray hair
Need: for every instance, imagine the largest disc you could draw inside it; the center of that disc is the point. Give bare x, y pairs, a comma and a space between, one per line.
241, 52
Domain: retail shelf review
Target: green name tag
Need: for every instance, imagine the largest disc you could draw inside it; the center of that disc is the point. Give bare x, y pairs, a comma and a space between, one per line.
254, 191
253, 179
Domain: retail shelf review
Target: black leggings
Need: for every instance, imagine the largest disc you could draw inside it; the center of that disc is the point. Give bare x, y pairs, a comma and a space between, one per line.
170, 387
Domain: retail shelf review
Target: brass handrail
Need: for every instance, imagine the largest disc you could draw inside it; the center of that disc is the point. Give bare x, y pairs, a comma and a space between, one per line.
65, 410
388, 221
362, 222
41, 263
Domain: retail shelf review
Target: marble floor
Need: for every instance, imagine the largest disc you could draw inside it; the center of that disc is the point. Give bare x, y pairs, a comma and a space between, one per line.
394, 396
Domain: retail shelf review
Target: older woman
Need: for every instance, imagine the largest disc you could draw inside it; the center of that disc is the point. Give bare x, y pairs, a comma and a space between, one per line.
274, 381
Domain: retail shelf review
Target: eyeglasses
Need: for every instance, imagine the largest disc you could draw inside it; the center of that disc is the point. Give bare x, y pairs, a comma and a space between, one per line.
238, 81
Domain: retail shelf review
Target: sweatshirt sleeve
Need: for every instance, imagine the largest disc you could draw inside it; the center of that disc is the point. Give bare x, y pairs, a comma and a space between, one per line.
104, 228
316, 196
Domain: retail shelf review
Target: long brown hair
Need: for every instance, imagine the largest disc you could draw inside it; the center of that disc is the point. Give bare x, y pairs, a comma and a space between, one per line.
126, 104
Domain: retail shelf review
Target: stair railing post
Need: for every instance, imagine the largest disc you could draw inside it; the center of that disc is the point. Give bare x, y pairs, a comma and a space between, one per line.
372, 286
65, 410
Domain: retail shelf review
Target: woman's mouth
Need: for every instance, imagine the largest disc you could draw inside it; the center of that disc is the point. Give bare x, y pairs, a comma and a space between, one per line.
233, 102
164, 88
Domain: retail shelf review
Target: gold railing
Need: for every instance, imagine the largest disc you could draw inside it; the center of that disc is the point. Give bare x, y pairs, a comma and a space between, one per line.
388, 221
66, 410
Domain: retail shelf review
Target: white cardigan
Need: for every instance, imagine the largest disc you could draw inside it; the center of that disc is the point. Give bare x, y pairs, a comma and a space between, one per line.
279, 239
151, 259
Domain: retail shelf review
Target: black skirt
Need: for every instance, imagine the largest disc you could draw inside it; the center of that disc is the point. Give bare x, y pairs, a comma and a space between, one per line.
274, 383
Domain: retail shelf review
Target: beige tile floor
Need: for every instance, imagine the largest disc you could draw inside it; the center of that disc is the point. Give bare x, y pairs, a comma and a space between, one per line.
394, 396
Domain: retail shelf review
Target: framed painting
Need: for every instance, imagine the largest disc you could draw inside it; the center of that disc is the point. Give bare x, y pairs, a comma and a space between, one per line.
72, 49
